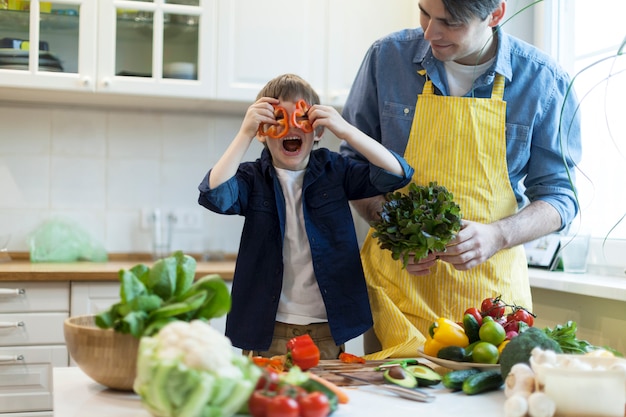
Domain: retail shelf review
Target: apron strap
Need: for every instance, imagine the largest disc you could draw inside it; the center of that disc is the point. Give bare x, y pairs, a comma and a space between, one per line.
497, 92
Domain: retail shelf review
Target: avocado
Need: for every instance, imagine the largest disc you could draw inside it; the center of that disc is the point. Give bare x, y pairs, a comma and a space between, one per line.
425, 375
399, 376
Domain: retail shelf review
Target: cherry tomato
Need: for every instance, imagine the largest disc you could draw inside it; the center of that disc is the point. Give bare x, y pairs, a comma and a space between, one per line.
524, 315
269, 380
473, 311
493, 307
315, 404
283, 406
258, 403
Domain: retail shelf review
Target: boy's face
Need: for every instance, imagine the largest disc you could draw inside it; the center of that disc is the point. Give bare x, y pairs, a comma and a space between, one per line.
291, 151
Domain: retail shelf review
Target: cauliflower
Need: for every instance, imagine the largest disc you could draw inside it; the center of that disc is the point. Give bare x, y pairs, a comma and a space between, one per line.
189, 369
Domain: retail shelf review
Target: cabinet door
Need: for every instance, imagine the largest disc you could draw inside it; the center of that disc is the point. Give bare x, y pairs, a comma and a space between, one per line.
353, 27
262, 39
93, 297
66, 39
155, 47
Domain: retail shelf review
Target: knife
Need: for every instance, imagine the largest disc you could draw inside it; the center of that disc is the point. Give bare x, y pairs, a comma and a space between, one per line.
408, 393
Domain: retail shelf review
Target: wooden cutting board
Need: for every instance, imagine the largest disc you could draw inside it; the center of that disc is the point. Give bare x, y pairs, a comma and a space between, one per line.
329, 369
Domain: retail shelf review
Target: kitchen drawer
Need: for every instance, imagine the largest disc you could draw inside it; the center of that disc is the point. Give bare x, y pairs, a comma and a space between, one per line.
18, 296
32, 329
26, 384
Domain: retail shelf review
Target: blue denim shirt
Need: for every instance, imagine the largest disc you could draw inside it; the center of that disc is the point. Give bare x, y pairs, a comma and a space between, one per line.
330, 181
542, 124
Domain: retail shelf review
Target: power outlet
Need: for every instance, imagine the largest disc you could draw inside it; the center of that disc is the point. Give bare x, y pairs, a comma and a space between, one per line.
186, 219
182, 219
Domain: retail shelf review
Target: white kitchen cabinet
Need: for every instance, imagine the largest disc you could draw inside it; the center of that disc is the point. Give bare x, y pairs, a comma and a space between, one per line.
323, 41
125, 47
31, 344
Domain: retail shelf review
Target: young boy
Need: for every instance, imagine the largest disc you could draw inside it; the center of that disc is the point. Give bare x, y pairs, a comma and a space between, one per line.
298, 269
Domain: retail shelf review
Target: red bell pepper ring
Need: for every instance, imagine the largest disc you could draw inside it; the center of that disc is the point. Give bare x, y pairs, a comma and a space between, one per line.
303, 352
281, 129
300, 118
350, 358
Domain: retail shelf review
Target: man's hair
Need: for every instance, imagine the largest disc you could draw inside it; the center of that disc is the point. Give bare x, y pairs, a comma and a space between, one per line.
290, 87
465, 10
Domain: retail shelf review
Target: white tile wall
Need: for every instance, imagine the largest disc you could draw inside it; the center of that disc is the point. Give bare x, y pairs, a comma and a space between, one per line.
101, 167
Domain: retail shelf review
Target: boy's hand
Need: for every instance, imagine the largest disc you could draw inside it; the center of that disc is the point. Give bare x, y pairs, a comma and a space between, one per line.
328, 117
262, 111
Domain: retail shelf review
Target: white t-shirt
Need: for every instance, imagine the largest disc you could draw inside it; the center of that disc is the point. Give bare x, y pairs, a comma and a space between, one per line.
300, 301
461, 77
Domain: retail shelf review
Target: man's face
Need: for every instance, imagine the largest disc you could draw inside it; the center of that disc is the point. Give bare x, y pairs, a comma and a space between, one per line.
465, 43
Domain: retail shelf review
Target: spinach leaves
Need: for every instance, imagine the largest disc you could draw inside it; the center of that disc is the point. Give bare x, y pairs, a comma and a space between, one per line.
423, 220
150, 298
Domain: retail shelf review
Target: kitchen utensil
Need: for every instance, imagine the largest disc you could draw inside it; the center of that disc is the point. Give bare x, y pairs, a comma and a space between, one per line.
408, 393
458, 365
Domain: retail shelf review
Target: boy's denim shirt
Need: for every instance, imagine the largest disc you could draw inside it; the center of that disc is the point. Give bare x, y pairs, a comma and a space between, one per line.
330, 181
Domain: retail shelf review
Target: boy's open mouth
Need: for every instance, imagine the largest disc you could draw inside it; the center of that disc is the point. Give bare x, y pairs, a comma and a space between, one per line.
292, 144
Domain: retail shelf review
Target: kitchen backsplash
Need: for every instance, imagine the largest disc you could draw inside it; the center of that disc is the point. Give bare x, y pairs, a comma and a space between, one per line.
100, 168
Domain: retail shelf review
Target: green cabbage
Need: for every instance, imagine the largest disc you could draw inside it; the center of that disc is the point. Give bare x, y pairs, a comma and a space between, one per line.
191, 370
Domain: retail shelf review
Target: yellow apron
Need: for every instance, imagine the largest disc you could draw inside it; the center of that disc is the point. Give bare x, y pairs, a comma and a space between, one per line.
459, 143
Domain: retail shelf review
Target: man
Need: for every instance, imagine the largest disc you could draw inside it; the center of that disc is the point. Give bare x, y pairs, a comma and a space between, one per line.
492, 119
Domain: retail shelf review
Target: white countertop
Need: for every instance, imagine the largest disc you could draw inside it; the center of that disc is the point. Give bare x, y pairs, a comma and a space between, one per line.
77, 395
593, 283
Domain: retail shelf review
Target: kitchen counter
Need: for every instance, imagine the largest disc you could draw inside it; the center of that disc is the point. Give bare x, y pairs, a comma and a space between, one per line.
20, 270
77, 395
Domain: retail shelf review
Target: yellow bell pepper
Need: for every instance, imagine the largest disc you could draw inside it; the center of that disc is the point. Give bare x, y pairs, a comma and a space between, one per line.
443, 333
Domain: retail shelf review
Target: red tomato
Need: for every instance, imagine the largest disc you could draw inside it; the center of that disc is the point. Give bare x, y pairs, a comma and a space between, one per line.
314, 404
269, 380
524, 315
258, 403
473, 311
283, 406
493, 307
511, 324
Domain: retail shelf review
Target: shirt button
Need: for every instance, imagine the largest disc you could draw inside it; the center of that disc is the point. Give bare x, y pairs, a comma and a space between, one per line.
406, 110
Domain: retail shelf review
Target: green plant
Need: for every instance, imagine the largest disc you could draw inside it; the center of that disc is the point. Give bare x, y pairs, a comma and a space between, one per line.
423, 220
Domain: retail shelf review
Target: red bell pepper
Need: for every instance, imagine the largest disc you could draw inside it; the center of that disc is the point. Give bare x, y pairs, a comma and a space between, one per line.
303, 352
300, 118
279, 130
350, 358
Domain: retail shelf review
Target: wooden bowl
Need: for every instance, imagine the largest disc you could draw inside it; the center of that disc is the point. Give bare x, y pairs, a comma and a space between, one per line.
108, 357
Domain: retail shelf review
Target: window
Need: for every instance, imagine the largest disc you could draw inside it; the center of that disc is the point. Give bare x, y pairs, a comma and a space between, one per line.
585, 37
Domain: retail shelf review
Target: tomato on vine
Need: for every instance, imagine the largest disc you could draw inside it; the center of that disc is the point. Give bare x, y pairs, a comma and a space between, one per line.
493, 307
314, 404
283, 406
523, 315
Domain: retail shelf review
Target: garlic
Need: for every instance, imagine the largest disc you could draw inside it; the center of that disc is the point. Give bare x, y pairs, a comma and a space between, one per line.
520, 381
516, 406
540, 405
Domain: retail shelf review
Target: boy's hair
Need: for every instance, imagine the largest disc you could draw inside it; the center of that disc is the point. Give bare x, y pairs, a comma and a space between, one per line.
465, 10
290, 87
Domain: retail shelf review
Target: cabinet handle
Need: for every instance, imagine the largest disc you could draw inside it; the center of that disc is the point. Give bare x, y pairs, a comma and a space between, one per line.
85, 81
11, 358
12, 291
106, 82
8, 324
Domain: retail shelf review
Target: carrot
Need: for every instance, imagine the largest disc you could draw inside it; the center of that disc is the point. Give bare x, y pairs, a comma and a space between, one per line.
342, 397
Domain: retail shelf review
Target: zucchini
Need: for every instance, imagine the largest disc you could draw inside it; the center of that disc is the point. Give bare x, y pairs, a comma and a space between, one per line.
452, 353
454, 379
482, 382
471, 327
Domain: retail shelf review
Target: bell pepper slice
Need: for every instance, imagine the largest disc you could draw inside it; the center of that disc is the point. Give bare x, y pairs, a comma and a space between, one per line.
276, 131
300, 118
350, 358
302, 352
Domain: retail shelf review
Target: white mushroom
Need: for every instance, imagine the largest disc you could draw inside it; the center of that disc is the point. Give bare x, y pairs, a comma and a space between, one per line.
520, 380
540, 405
516, 406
